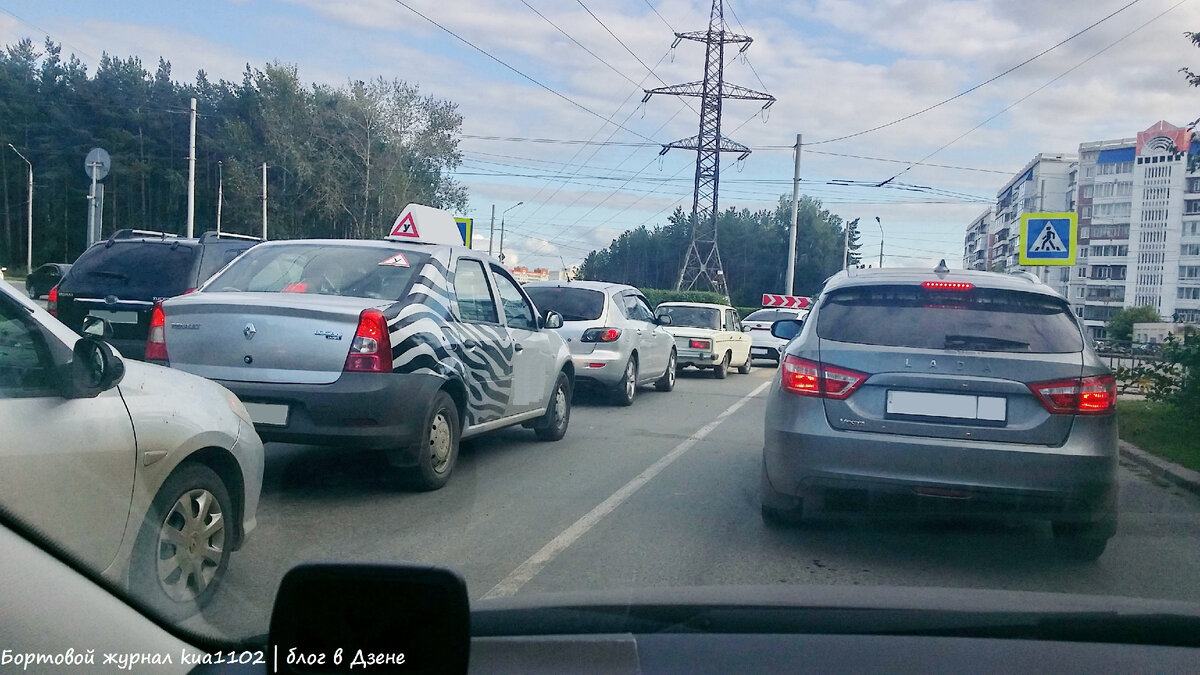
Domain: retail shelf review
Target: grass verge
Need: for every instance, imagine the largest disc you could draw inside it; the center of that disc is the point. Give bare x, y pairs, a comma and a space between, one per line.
1162, 430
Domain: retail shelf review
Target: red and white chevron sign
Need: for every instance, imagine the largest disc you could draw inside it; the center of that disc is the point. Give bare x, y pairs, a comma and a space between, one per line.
789, 301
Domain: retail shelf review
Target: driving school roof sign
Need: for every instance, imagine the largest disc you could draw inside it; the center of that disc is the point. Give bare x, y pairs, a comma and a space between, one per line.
1048, 238
427, 225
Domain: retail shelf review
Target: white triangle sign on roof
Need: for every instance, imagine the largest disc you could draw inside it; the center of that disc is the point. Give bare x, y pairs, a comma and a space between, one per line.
1048, 241
427, 225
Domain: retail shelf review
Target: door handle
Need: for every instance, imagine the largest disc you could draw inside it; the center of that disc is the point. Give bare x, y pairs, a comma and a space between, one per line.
518, 346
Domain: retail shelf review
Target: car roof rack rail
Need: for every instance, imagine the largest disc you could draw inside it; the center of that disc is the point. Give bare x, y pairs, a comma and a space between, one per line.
213, 234
130, 234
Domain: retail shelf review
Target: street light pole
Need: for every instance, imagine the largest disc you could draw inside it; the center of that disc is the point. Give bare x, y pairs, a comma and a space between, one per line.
501, 256
28, 214
880, 240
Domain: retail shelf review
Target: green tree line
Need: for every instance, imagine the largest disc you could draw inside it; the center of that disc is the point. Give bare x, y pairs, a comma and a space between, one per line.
753, 246
343, 161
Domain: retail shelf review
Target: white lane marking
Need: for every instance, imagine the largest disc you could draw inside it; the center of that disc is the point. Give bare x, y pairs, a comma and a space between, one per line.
529, 569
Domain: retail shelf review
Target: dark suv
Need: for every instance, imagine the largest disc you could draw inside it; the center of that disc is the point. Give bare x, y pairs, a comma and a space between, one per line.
121, 278
944, 392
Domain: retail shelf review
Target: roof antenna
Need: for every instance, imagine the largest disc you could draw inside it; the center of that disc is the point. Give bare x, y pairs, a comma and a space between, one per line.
941, 268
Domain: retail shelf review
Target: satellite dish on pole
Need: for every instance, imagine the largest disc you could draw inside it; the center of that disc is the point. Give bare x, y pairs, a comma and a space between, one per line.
98, 158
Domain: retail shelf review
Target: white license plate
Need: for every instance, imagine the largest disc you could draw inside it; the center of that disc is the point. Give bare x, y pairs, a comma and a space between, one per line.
950, 406
114, 316
274, 414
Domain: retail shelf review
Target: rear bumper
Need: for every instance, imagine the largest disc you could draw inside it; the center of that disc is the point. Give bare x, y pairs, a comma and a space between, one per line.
362, 411
601, 366
696, 357
905, 475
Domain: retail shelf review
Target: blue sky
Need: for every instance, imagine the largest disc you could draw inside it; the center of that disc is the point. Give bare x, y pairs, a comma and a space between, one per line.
837, 67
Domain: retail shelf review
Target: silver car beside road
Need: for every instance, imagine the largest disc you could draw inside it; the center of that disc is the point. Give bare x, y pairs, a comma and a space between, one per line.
941, 391
614, 338
399, 347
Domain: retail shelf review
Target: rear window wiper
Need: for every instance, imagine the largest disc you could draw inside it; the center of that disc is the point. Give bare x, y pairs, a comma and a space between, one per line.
982, 342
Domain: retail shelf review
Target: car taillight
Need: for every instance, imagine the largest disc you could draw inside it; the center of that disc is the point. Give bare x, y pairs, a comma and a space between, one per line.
156, 340
1096, 395
813, 378
52, 302
371, 350
700, 344
600, 335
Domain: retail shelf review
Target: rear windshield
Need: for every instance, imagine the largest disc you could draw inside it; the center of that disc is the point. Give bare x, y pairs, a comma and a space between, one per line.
694, 317
575, 304
771, 315
978, 320
322, 269
217, 256
135, 270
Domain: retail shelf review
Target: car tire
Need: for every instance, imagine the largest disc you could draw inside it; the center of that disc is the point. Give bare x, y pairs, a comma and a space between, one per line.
437, 452
626, 389
722, 369
744, 369
553, 425
184, 502
1074, 542
667, 381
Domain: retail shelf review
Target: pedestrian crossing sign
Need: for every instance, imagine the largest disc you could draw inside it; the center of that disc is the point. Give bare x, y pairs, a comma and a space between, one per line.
1048, 238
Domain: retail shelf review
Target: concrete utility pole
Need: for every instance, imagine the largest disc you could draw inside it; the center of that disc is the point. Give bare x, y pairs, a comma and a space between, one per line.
502, 228
492, 230
28, 215
264, 197
220, 193
191, 220
880, 240
789, 284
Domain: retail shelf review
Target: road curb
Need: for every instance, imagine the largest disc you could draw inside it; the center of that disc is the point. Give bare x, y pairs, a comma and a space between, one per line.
1170, 471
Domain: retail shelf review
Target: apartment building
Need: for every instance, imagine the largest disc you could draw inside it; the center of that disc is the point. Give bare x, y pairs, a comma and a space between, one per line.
1139, 224
977, 245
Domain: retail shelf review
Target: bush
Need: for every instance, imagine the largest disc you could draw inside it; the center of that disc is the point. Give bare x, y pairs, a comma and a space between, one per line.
1173, 378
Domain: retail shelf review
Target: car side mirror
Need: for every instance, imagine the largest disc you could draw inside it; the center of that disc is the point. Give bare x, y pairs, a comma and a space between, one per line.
663, 319
97, 327
786, 329
553, 320
94, 368
745, 328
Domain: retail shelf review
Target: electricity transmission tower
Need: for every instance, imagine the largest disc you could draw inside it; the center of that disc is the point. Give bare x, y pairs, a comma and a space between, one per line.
703, 260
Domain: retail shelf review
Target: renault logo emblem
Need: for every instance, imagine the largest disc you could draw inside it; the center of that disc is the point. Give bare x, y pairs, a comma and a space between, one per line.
249, 331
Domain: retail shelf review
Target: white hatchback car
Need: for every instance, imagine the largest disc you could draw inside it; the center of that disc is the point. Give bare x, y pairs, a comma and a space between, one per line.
163, 468
763, 345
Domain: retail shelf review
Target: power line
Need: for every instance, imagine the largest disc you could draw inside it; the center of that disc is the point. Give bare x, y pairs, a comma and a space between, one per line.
1035, 91
744, 56
660, 16
581, 45
981, 84
488, 54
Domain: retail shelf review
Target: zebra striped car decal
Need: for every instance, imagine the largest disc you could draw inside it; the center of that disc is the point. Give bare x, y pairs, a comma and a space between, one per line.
427, 337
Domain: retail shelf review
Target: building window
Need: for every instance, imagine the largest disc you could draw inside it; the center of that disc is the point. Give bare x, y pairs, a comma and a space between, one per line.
1189, 249
1189, 293
1189, 271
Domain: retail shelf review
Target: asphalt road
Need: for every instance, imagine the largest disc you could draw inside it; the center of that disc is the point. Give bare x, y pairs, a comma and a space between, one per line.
633, 497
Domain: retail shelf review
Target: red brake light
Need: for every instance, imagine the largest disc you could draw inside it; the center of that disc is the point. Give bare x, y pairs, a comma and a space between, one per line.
813, 378
1096, 395
700, 344
947, 285
52, 302
600, 335
371, 350
156, 340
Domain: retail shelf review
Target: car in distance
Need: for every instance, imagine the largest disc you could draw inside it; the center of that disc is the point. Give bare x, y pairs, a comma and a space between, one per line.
973, 392
390, 346
614, 337
163, 469
764, 345
41, 280
121, 278
707, 336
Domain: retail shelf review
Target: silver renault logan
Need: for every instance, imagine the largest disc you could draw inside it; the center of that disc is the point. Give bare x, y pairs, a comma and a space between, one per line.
914, 391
